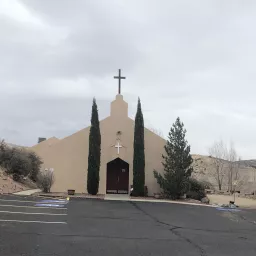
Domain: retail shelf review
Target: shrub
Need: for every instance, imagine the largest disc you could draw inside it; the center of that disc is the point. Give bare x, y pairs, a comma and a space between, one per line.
5, 156
196, 189
207, 184
45, 180
16, 177
35, 165
195, 185
19, 161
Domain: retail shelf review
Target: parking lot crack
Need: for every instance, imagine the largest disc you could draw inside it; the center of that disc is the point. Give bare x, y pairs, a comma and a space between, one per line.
199, 248
174, 230
152, 217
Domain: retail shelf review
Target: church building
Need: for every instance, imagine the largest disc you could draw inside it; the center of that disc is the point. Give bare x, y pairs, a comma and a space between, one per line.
68, 157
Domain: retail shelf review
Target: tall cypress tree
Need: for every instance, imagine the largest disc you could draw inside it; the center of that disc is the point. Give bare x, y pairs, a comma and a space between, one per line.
138, 154
176, 162
94, 152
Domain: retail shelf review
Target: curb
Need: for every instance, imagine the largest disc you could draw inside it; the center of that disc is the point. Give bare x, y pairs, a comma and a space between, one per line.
84, 198
65, 196
171, 202
112, 199
157, 201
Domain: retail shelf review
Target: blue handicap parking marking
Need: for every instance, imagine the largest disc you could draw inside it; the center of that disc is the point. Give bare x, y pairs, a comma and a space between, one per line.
50, 205
227, 209
54, 201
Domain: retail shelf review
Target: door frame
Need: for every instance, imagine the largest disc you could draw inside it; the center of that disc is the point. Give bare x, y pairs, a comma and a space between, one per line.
118, 191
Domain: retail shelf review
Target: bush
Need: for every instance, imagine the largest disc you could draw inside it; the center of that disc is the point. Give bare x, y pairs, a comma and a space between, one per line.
45, 180
195, 185
5, 156
19, 161
207, 184
196, 189
35, 165
16, 177
146, 191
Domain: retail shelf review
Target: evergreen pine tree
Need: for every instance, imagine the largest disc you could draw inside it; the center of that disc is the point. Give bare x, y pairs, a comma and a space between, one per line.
94, 152
139, 154
176, 162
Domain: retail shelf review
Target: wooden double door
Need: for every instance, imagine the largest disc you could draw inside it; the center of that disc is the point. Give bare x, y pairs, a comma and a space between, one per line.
117, 177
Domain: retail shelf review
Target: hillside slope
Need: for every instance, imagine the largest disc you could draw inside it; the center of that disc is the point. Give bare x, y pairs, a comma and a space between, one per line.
7, 185
204, 169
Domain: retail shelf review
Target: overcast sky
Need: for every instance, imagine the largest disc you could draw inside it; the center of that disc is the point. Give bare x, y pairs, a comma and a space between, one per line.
193, 59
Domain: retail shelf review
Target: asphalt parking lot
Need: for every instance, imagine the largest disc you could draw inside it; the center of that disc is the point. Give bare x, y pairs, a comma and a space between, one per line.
30, 226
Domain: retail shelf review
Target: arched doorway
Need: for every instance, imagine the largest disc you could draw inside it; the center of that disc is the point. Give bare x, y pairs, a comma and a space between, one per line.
117, 177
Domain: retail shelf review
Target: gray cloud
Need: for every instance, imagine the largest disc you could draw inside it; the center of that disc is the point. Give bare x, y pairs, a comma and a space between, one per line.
193, 59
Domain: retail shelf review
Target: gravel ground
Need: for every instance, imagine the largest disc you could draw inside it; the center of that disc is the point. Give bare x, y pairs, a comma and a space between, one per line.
7, 185
240, 201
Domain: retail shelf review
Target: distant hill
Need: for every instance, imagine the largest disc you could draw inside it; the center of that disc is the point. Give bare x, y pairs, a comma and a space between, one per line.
248, 163
204, 169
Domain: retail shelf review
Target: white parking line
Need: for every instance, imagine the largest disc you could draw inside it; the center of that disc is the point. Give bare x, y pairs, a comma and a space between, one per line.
36, 213
35, 202
34, 221
38, 207
21, 201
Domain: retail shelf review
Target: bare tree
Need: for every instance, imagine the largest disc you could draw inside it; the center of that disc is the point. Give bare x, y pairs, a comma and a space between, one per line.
218, 152
233, 168
45, 180
241, 181
227, 166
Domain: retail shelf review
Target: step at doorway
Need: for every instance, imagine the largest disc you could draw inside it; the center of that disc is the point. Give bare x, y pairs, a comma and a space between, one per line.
117, 197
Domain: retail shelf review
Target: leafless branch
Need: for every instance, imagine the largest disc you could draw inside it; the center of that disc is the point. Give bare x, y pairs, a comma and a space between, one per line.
218, 152
45, 180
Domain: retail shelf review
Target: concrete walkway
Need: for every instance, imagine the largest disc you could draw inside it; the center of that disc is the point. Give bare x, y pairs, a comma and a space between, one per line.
27, 192
117, 197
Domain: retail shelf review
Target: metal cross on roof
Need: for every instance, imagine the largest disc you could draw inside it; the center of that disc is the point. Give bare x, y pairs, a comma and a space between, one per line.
119, 77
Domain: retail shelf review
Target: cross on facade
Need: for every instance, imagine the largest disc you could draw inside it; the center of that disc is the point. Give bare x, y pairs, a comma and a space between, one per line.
119, 77
118, 146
